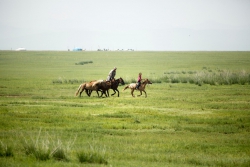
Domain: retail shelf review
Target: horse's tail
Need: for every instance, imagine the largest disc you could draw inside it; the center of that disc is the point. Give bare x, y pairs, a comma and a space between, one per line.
80, 87
126, 87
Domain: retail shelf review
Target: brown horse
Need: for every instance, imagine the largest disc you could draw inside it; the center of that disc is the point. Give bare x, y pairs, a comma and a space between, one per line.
104, 87
142, 87
115, 84
94, 85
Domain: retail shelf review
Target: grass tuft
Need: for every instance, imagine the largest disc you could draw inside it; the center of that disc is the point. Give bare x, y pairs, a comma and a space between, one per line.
46, 148
59, 154
6, 150
91, 157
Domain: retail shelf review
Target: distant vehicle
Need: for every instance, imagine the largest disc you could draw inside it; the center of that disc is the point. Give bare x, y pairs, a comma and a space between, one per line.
20, 49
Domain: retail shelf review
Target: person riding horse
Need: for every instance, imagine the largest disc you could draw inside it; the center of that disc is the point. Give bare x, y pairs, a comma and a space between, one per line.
112, 74
138, 81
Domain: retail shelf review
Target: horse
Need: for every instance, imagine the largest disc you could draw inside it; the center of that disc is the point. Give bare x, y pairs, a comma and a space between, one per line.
115, 84
86, 85
93, 85
104, 86
142, 87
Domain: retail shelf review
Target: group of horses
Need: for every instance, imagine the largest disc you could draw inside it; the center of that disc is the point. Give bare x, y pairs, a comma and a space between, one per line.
104, 86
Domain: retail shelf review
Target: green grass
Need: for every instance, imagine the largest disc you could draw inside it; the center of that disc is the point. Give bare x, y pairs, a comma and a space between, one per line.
196, 114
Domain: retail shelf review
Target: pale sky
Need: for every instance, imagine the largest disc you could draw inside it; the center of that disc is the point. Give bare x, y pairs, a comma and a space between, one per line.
171, 25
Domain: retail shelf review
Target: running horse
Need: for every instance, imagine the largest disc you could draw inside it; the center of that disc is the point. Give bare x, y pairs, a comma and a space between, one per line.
94, 85
142, 87
115, 84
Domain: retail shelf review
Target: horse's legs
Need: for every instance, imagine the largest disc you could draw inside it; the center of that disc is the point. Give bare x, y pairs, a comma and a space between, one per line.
145, 93
114, 92
103, 92
88, 92
140, 94
97, 93
118, 92
132, 91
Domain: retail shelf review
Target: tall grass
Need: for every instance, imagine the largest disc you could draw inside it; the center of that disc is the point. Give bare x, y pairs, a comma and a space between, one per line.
220, 77
93, 154
67, 81
6, 150
46, 148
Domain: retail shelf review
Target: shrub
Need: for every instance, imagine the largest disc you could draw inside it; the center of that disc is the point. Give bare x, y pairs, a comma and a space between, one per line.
83, 62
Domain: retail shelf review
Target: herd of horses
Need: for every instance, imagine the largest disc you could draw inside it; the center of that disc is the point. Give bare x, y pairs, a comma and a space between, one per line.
104, 86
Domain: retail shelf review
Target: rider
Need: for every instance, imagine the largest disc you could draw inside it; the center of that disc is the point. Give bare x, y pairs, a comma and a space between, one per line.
112, 74
138, 81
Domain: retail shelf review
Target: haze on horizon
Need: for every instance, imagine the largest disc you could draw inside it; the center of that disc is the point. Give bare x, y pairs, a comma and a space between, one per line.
155, 25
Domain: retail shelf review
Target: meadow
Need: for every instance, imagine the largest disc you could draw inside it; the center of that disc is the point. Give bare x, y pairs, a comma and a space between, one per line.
197, 112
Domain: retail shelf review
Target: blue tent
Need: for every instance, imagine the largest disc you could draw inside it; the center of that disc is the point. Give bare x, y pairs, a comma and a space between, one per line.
77, 49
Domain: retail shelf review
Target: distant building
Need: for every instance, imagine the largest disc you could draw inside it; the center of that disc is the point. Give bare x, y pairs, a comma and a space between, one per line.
20, 49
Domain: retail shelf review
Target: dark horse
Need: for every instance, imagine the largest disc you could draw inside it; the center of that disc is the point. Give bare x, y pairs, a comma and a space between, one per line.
115, 84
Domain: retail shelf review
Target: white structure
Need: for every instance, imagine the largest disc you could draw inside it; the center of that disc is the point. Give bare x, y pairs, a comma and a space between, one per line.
21, 49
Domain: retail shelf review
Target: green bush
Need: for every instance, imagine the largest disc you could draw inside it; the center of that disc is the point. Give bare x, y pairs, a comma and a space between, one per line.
83, 62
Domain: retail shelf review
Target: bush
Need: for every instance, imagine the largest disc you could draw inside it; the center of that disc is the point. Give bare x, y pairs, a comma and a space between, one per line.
83, 62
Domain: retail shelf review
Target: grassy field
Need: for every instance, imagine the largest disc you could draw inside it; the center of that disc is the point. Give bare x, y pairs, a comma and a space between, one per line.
197, 112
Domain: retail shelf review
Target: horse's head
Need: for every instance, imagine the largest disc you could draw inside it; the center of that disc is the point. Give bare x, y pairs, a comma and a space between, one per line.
121, 81
147, 81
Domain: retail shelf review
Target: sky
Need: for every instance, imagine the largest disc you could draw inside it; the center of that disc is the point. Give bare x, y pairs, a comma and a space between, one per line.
157, 25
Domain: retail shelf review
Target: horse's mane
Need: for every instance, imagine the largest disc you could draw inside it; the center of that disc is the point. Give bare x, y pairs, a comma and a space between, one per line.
144, 80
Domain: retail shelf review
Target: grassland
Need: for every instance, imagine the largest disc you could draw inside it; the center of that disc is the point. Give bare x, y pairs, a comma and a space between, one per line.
197, 112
